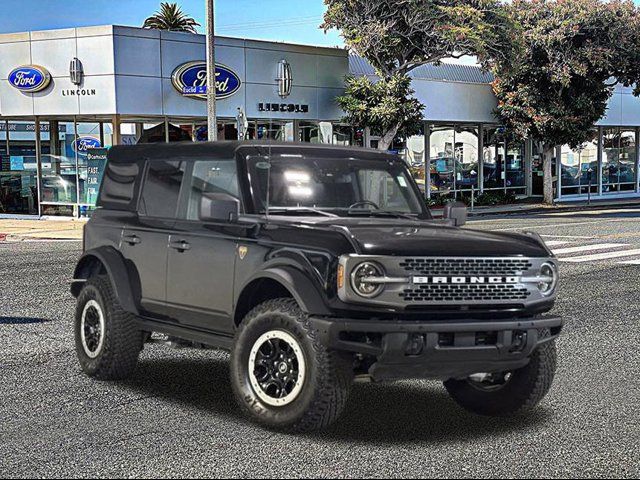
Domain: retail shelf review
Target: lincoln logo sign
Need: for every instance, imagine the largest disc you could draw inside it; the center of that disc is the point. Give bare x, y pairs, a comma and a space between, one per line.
29, 78
82, 144
190, 79
465, 280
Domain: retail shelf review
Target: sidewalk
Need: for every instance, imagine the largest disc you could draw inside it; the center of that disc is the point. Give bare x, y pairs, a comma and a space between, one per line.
525, 208
20, 230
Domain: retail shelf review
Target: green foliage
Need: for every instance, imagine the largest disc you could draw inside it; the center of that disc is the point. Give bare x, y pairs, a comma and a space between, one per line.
486, 199
170, 17
554, 81
385, 105
396, 36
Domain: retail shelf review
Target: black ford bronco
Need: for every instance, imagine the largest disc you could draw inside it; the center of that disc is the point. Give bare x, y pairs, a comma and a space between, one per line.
314, 266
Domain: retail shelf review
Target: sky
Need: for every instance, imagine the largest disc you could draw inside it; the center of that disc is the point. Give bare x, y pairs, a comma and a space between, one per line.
294, 21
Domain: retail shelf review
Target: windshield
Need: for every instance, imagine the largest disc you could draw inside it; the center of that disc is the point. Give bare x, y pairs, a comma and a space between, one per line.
335, 185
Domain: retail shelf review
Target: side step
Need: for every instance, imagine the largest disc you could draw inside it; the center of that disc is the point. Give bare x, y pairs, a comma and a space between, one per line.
216, 340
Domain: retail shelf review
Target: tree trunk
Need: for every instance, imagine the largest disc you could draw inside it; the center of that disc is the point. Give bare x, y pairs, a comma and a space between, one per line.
548, 154
385, 141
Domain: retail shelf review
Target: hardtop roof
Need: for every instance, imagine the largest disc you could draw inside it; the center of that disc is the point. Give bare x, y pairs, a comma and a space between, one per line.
228, 148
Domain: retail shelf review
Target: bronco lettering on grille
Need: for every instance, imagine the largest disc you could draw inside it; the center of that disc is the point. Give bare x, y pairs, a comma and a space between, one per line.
420, 280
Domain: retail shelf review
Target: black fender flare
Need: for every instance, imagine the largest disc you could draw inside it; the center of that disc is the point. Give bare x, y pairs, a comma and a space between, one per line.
115, 267
299, 285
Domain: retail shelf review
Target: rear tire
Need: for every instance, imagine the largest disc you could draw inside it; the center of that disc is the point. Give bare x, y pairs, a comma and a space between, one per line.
108, 341
521, 392
281, 375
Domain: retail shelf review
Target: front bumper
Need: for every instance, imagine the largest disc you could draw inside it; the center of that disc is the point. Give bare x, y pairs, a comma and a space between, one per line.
453, 349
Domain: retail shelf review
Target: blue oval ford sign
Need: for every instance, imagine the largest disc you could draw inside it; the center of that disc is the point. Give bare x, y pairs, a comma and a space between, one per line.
29, 78
190, 79
81, 144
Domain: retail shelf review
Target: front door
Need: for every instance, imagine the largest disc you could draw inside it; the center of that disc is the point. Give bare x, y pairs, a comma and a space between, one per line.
201, 265
202, 255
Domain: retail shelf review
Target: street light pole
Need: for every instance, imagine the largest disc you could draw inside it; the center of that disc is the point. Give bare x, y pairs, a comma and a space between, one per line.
212, 123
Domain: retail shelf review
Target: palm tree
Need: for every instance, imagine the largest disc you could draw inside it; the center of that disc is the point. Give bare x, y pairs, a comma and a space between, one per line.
170, 17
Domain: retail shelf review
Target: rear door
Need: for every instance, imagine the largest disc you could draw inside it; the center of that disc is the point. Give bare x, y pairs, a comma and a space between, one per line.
202, 255
144, 241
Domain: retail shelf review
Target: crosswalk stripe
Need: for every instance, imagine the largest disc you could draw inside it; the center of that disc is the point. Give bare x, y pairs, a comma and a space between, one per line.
554, 243
630, 262
601, 256
586, 248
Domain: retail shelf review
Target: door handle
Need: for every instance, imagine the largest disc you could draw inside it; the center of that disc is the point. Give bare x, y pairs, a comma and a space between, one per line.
181, 245
132, 239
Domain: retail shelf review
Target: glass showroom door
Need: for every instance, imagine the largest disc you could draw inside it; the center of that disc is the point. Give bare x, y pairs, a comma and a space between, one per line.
618, 160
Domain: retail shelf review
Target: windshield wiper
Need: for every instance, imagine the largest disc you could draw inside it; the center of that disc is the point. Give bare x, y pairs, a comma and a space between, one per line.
380, 213
276, 210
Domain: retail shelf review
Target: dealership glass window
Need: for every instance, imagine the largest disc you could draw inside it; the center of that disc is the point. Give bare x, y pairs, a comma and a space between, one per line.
514, 168
341, 134
493, 154
453, 157
274, 130
441, 158
618, 159
59, 165
575, 164
18, 173
310, 132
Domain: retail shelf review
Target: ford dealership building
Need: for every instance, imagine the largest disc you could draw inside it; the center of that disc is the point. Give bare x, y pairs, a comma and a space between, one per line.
66, 95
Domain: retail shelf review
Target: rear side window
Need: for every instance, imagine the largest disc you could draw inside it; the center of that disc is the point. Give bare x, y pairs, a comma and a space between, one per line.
161, 189
118, 191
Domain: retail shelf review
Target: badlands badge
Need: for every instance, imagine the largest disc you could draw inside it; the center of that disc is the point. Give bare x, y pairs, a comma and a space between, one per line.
242, 251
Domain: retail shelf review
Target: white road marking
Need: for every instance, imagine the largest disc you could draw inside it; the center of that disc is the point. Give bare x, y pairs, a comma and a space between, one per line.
601, 256
567, 236
555, 243
586, 248
630, 262
600, 221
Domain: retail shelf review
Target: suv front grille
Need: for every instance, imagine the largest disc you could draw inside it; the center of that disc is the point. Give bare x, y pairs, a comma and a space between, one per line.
464, 293
465, 266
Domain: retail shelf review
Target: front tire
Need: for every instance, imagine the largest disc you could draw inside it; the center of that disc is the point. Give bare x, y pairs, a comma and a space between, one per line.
108, 342
281, 375
508, 393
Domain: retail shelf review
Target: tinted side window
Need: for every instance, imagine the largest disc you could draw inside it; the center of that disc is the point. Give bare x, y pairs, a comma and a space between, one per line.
161, 189
211, 176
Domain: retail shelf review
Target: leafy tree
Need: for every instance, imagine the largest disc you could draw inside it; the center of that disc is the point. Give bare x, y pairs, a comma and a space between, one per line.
171, 17
396, 36
385, 106
554, 80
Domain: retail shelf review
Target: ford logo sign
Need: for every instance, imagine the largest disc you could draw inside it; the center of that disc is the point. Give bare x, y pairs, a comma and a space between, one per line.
82, 144
29, 78
190, 79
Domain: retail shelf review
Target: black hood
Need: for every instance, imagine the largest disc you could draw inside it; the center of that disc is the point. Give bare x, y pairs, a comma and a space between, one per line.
375, 236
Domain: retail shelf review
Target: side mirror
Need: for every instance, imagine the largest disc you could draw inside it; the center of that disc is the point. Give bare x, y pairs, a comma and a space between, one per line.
456, 212
219, 207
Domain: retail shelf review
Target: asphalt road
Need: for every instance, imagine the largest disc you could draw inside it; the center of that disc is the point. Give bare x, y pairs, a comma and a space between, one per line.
177, 417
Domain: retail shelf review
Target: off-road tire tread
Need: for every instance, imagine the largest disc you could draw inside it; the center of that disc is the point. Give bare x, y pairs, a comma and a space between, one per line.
541, 371
123, 338
335, 374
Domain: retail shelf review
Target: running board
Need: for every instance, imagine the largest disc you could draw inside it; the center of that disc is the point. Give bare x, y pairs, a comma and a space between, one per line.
212, 339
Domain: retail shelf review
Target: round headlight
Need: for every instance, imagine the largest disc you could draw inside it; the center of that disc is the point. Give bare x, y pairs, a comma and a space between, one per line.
549, 276
359, 281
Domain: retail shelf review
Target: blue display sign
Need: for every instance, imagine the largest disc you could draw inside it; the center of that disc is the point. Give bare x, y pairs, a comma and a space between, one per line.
190, 79
82, 144
16, 162
29, 78
96, 162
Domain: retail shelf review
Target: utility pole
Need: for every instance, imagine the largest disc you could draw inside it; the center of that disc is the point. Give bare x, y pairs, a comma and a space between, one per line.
212, 123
